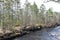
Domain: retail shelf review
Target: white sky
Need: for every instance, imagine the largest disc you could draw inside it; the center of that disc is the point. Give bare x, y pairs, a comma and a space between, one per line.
55, 6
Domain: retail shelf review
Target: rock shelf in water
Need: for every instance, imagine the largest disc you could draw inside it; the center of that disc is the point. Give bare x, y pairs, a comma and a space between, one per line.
22, 30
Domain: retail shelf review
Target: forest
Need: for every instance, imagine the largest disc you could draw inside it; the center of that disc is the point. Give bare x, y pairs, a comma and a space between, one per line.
13, 15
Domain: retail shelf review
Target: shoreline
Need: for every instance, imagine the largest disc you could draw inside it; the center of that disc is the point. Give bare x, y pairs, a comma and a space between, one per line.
26, 30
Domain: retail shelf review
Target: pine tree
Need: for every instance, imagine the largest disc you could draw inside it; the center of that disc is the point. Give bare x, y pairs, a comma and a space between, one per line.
50, 16
42, 15
35, 12
26, 12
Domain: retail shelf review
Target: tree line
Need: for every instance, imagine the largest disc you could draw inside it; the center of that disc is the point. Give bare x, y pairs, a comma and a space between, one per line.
11, 14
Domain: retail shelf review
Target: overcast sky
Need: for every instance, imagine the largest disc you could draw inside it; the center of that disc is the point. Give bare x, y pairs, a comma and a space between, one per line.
55, 6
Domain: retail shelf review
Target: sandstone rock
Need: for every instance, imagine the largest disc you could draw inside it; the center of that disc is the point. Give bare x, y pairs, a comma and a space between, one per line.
1, 32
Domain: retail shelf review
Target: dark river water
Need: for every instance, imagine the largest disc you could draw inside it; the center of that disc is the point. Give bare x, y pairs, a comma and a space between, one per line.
44, 34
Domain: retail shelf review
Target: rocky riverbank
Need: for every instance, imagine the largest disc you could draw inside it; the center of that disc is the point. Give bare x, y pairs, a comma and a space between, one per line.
22, 30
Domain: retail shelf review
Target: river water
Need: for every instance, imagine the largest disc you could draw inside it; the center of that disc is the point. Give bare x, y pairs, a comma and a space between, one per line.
44, 34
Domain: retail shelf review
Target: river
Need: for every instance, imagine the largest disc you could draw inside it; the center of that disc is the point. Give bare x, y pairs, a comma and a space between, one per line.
43, 34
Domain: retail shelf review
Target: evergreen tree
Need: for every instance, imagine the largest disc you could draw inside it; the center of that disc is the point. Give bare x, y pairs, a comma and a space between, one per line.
50, 16
35, 12
42, 15
26, 12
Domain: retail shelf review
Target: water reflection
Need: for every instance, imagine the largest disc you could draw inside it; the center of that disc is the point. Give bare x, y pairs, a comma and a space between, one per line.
44, 34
